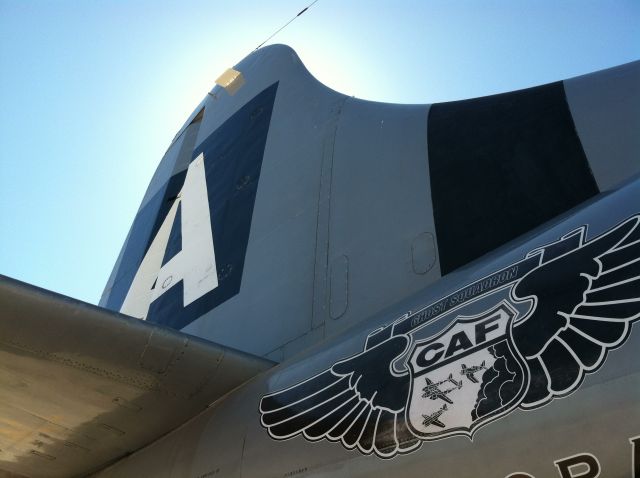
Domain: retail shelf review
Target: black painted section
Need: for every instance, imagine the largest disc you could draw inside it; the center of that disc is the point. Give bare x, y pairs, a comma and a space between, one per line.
500, 166
233, 159
144, 229
174, 244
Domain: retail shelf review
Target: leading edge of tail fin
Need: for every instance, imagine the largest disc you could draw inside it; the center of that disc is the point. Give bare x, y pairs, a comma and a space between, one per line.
193, 257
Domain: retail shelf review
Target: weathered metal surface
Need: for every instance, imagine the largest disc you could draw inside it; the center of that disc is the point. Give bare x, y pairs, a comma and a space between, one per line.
81, 386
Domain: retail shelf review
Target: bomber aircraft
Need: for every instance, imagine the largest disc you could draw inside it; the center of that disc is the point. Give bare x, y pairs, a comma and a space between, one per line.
433, 391
433, 418
302, 259
469, 372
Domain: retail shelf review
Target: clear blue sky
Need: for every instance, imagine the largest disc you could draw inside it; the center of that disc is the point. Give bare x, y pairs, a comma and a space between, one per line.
92, 92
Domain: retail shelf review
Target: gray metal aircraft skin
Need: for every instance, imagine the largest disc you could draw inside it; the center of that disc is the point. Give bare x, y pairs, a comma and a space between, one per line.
358, 214
593, 425
337, 287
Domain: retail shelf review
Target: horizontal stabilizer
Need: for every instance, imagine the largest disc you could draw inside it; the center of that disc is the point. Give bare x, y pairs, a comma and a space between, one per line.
81, 386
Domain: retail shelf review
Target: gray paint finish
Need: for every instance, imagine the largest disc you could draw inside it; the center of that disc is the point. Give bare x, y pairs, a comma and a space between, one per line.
276, 296
524, 441
380, 202
344, 182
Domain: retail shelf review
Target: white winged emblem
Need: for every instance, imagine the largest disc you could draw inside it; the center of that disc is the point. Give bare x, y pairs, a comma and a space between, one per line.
556, 316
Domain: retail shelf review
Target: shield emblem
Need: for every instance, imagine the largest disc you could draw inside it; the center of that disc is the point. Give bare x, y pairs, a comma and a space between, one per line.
466, 376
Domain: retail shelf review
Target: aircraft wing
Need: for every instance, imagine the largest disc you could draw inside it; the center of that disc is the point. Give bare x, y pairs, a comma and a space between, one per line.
81, 386
437, 423
442, 396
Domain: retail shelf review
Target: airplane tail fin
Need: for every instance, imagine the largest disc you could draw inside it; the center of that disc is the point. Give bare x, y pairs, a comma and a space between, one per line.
260, 209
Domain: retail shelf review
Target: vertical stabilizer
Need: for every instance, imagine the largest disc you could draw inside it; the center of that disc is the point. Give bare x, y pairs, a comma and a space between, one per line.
284, 212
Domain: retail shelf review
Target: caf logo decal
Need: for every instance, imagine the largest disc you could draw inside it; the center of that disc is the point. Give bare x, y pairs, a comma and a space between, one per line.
470, 373
543, 324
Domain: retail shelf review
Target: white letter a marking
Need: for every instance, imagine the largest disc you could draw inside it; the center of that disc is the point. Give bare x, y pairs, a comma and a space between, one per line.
195, 264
